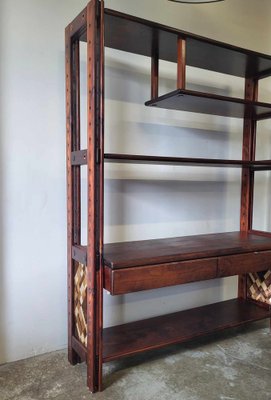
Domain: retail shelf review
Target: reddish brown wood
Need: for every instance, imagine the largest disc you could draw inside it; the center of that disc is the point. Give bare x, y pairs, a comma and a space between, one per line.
72, 355
244, 263
181, 63
79, 253
95, 193
149, 334
261, 233
78, 26
100, 216
79, 348
158, 251
146, 264
206, 103
134, 279
154, 77
249, 145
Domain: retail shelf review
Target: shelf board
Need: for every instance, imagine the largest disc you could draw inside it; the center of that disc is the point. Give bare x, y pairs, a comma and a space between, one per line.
157, 251
161, 160
153, 333
136, 35
205, 103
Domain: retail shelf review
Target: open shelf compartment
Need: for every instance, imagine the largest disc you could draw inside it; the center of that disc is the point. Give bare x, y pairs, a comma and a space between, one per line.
153, 333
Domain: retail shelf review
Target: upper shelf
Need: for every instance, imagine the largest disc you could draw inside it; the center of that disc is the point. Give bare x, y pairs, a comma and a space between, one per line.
136, 35
189, 100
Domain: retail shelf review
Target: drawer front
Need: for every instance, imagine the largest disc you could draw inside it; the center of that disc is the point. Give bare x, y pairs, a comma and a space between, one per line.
244, 263
133, 279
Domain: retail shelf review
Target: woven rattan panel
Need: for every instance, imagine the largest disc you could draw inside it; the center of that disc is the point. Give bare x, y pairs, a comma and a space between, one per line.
80, 302
259, 286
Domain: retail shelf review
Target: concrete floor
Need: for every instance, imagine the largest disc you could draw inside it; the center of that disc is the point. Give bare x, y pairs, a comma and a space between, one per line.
235, 365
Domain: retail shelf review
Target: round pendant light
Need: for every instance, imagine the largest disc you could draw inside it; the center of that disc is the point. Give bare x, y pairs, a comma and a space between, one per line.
195, 1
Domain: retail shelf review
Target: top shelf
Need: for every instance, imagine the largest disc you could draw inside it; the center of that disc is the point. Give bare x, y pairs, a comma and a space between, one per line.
135, 35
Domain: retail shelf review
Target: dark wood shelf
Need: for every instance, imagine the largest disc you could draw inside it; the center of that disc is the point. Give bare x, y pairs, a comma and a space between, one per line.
153, 333
205, 103
136, 35
157, 251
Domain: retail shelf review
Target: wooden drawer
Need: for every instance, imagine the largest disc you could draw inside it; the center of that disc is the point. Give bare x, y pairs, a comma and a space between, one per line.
244, 263
133, 279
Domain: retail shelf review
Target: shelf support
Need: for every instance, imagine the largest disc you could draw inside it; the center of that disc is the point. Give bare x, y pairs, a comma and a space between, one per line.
248, 154
155, 68
95, 133
181, 63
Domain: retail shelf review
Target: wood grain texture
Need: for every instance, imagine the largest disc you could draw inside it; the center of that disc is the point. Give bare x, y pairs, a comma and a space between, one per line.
244, 263
153, 333
157, 251
134, 279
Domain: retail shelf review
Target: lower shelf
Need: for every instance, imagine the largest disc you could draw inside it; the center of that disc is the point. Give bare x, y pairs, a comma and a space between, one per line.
153, 333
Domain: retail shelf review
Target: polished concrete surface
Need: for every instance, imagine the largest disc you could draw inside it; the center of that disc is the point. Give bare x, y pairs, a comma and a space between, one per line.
235, 365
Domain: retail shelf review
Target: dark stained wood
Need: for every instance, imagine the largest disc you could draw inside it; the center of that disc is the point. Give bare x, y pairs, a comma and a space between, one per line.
132, 266
202, 162
71, 57
259, 165
100, 216
72, 355
181, 63
79, 348
135, 35
248, 154
134, 279
79, 253
262, 233
153, 333
158, 251
244, 263
205, 103
247, 182
155, 69
95, 192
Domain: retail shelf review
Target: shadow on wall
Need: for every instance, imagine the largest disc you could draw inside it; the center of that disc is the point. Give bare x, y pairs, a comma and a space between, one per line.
2, 277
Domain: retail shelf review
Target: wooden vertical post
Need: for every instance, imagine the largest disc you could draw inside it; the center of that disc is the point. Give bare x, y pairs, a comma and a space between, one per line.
181, 63
95, 60
73, 175
248, 154
155, 68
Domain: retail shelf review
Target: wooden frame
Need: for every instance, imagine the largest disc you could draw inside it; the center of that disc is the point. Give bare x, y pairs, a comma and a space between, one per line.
127, 267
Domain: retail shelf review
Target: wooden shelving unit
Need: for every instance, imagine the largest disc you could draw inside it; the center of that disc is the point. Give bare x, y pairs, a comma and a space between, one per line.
140, 265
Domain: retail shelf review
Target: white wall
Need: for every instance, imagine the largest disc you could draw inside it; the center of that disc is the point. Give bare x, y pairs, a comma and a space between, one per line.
140, 202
